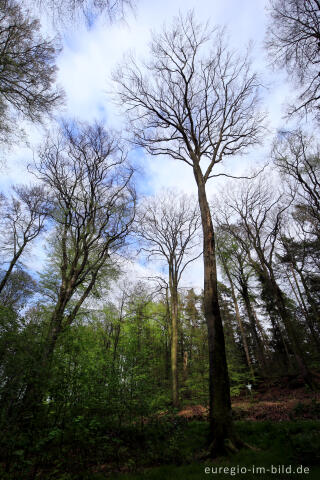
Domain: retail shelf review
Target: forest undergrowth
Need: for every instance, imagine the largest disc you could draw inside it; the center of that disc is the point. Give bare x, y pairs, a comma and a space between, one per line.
279, 423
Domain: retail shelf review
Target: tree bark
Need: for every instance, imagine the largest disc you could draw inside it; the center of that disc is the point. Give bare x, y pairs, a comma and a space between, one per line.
259, 348
222, 431
11, 266
304, 308
279, 302
185, 365
275, 300
35, 392
238, 317
167, 337
174, 337
263, 334
311, 302
298, 353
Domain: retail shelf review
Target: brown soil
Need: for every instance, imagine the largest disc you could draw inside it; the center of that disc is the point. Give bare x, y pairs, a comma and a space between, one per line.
284, 399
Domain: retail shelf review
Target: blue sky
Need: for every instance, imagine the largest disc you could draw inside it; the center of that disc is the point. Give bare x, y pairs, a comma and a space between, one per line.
89, 56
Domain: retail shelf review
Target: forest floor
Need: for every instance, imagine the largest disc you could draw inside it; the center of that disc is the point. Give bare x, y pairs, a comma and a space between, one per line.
283, 399
279, 420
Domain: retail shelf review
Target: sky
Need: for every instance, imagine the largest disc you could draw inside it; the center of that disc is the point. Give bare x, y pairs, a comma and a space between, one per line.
90, 55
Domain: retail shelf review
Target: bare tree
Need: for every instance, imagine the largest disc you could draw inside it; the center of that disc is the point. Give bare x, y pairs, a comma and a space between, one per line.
233, 263
257, 212
27, 68
243, 275
23, 218
297, 156
293, 41
196, 106
168, 225
66, 10
86, 170
295, 258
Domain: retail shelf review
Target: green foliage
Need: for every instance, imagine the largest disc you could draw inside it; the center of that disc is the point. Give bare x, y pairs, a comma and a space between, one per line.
19, 288
274, 444
107, 406
27, 65
306, 447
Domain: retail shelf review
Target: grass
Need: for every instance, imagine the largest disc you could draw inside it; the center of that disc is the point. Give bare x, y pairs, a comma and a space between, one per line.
282, 443
172, 449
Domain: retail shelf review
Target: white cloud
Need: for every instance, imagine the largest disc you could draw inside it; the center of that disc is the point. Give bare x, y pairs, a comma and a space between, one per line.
85, 67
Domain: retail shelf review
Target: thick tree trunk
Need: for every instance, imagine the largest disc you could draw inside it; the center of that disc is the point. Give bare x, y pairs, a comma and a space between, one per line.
35, 391
222, 432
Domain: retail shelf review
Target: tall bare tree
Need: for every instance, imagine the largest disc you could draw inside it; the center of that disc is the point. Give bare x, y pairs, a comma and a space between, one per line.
293, 41
168, 225
196, 101
258, 214
297, 157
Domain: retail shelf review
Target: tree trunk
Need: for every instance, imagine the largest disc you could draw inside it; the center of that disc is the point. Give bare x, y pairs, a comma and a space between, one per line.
239, 321
174, 339
185, 365
275, 300
279, 339
315, 310
35, 391
298, 353
222, 432
10, 268
303, 307
263, 334
167, 338
115, 344
259, 349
